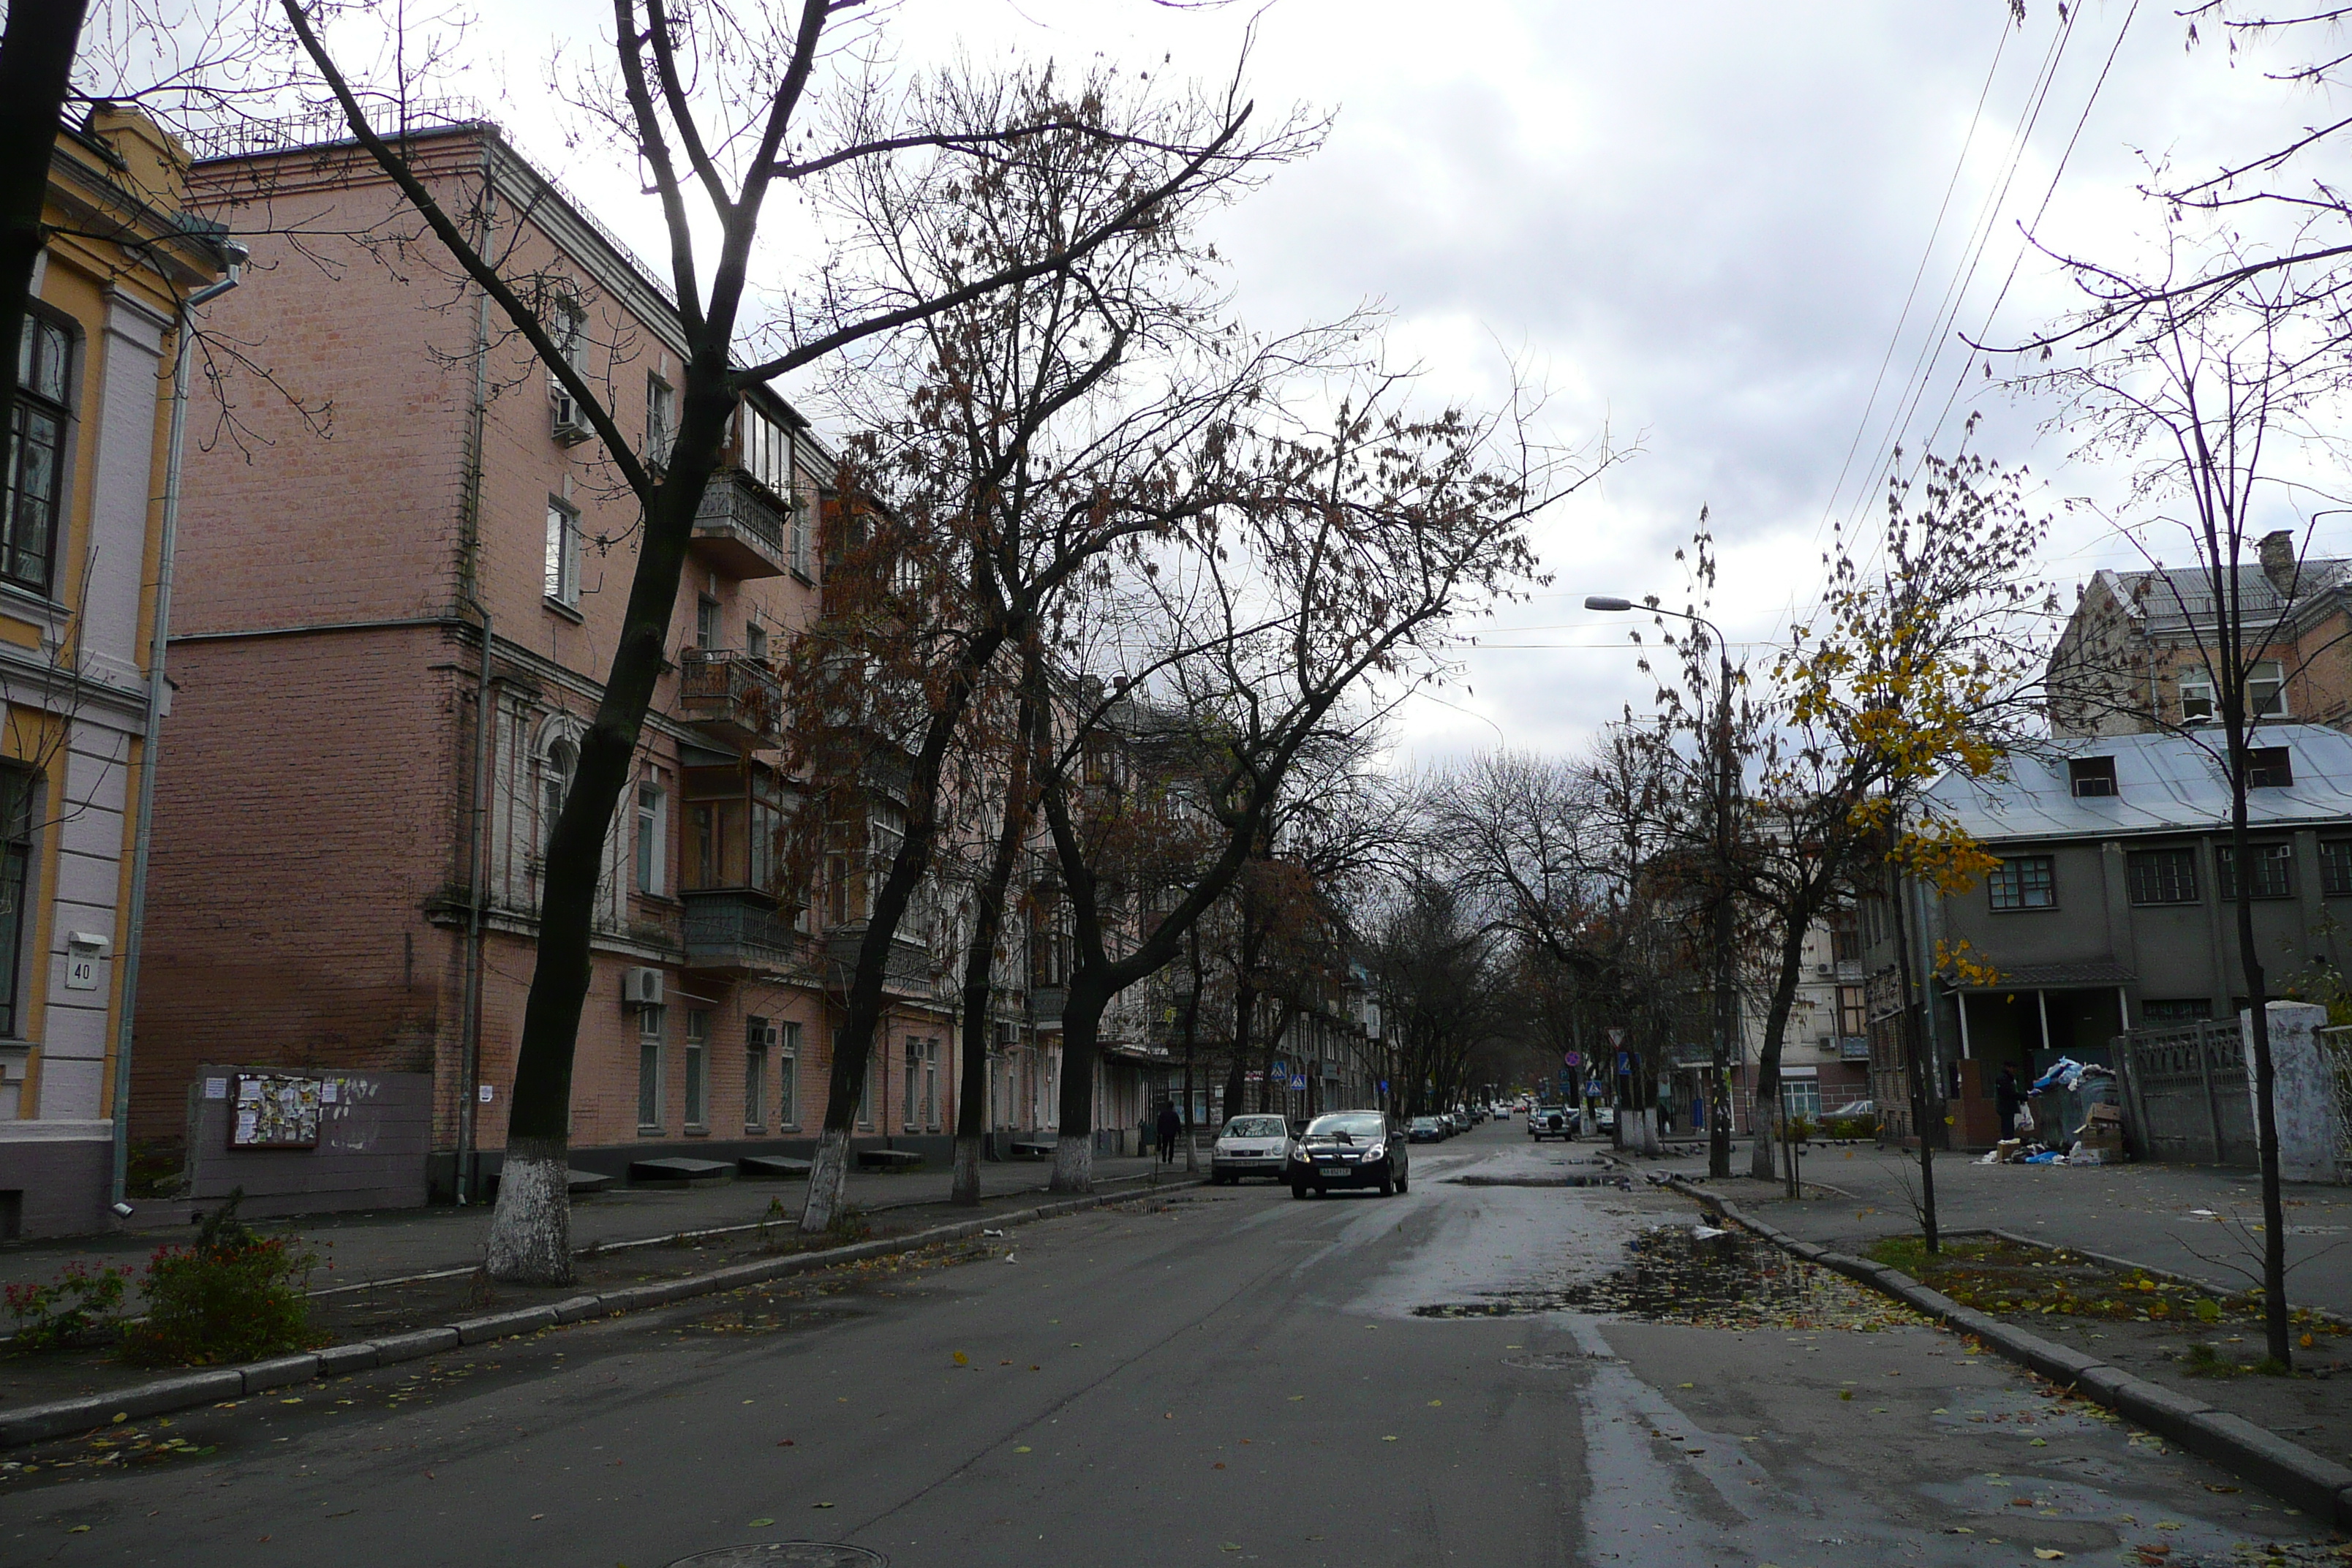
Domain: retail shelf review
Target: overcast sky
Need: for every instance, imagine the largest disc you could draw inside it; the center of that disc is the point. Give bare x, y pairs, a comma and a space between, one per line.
1699, 223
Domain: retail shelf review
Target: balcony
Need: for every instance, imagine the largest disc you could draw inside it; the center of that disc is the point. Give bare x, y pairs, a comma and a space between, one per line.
906, 975
738, 931
1047, 1002
732, 697
739, 530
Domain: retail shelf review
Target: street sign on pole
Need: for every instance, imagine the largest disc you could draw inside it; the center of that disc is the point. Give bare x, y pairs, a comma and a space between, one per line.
1570, 1059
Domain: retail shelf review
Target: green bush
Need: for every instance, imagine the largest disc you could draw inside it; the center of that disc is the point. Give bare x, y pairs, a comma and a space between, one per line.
232, 1296
79, 1302
1850, 1127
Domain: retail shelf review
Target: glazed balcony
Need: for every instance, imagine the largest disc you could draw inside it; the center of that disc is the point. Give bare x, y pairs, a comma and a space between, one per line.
732, 697
741, 530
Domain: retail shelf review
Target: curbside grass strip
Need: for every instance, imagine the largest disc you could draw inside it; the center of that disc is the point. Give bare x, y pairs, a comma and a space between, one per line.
2287, 1470
39, 1423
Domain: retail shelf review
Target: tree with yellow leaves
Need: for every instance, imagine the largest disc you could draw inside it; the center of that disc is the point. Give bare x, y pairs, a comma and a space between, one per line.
1920, 663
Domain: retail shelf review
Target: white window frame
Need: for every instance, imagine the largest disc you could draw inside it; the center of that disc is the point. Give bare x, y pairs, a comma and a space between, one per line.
560, 579
786, 1037
697, 1069
652, 1071
653, 837
661, 419
2274, 706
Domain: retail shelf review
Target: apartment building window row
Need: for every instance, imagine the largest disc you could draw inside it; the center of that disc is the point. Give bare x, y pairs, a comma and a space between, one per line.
2024, 882
2265, 693
37, 454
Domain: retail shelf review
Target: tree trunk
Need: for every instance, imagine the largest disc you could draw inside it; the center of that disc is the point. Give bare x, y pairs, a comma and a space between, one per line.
2276, 1330
1915, 1060
979, 966
37, 55
1776, 1027
529, 1229
1074, 1150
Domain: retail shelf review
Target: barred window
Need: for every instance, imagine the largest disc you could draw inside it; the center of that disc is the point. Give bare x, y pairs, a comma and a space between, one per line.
2163, 876
2025, 882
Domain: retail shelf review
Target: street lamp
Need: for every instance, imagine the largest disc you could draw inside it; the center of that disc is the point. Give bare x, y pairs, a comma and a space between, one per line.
1718, 1131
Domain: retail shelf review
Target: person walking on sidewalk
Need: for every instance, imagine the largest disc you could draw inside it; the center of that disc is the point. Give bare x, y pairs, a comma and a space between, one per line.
1171, 1128
2007, 1097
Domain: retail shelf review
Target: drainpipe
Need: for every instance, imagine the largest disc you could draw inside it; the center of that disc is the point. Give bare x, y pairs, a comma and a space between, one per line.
151, 734
470, 1015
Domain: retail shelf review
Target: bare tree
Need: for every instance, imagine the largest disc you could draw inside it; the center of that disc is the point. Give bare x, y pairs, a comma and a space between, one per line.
718, 107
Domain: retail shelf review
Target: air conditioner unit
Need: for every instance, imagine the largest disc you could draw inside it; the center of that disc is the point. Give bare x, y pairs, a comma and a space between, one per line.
641, 987
1825, 969
568, 428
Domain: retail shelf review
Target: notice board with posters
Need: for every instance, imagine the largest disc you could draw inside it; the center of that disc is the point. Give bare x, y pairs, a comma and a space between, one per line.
275, 1110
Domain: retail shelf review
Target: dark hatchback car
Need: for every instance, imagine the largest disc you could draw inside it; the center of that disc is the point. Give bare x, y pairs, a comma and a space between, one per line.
1348, 1149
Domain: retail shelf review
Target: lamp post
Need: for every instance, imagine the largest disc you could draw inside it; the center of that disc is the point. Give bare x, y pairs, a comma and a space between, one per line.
1718, 1129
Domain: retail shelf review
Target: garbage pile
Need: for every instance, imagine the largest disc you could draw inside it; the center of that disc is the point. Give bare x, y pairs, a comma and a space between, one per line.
2096, 1139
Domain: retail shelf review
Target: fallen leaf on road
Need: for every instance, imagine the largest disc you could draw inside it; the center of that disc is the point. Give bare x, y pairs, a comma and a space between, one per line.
755, 1524
784, 1441
2214, 1487
2039, 1443
820, 1505
2048, 1553
1021, 1451
961, 1360
84, 1530
1296, 1397
1845, 1394
1686, 1385
1218, 1465
1388, 1439
1435, 1402
544, 1516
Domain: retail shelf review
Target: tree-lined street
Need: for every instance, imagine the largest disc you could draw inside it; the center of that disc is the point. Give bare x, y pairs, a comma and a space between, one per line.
1215, 1375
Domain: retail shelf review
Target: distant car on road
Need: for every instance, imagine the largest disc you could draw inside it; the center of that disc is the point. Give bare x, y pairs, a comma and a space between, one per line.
1853, 1110
1425, 1130
1552, 1121
1348, 1149
1604, 1118
1250, 1146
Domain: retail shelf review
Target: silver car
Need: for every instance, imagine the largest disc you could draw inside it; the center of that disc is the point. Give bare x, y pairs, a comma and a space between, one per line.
1257, 1145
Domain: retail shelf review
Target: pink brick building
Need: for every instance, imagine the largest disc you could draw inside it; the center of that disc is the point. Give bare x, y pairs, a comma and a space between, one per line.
388, 642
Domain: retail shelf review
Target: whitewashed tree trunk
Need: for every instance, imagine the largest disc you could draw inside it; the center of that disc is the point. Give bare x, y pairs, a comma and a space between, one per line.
531, 1230
1192, 1153
1074, 1163
1759, 1158
966, 1187
828, 1182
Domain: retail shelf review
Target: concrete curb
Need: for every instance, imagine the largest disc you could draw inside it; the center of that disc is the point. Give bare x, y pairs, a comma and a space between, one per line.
2319, 1485
37, 1423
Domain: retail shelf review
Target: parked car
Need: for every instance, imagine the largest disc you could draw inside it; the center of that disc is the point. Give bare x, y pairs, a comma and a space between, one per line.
1552, 1121
1348, 1148
1250, 1146
1604, 1118
1425, 1130
1852, 1111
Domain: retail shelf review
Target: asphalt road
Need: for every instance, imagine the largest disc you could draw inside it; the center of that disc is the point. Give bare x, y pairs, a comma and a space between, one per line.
1234, 1376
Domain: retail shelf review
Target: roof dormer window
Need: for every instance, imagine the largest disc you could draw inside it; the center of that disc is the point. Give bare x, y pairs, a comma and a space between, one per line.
2089, 776
2269, 767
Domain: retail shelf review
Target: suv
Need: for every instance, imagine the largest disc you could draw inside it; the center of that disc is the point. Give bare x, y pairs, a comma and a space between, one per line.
1552, 1121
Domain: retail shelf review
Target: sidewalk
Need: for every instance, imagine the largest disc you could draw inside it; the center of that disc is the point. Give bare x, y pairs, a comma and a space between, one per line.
2145, 1213
396, 1243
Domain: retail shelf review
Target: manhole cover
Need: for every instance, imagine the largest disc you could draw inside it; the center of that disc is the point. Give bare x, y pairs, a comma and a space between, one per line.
786, 1554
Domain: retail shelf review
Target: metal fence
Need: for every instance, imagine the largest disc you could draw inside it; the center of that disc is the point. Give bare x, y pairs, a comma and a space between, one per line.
2185, 1094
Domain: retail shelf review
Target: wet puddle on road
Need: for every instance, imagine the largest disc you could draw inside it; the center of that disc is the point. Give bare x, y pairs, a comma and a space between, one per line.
1697, 1274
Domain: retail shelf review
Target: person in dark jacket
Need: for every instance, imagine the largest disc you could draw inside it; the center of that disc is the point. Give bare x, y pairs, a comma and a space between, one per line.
2008, 1094
1170, 1128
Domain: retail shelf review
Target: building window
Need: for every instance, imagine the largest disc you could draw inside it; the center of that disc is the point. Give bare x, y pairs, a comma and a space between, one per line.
2266, 689
661, 420
697, 1074
556, 768
2273, 870
16, 795
2163, 876
1854, 1010
787, 1037
1845, 944
37, 453
2025, 882
919, 1093
563, 555
1802, 1097
2269, 767
653, 822
755, 639
2156, 1015
649, 1070
2335, 868
836, 890
2196, 697
869, 1094
2091, 777
755, 1074
706, 623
